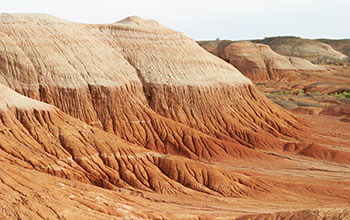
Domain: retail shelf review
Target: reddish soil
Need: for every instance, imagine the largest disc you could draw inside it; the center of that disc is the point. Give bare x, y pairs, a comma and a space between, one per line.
135, 121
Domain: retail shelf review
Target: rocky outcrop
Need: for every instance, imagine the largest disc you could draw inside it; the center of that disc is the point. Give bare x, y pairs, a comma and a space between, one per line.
143, 112
37, 139
312, 50
39, 136
257, 61
144, 83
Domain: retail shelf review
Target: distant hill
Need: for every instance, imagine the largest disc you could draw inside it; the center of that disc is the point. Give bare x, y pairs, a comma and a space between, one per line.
215, 46
315, 51
342, 46
257, 61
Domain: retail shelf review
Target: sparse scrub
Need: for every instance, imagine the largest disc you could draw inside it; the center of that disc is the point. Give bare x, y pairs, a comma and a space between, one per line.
300, 92
261, 84
342, 95
282, 92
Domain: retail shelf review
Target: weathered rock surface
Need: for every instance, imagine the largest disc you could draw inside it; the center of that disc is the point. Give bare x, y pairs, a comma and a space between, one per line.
37, 139
312, 50
133, 120
131, 79
257, 61
42, 137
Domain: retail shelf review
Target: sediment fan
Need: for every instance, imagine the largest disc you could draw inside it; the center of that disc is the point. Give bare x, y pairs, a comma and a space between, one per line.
143, 111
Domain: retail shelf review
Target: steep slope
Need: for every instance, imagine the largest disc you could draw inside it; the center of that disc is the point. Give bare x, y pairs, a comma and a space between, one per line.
311, 50
37, 139
127, 77
39, 136
167, 129
257, 61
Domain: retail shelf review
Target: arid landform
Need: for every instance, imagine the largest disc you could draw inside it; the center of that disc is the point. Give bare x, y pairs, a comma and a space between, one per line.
133, 120
301, 75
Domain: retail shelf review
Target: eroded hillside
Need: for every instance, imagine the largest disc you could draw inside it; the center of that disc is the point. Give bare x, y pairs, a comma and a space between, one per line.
293, 83
134, 120
312, 50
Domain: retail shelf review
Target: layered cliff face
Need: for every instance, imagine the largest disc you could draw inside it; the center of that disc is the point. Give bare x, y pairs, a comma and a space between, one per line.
312, 50
167, 129
37, 139
257, 61
141, 81
39, 136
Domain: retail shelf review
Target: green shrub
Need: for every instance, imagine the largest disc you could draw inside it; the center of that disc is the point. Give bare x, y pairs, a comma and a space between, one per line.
342, 95
300, 92
261, 84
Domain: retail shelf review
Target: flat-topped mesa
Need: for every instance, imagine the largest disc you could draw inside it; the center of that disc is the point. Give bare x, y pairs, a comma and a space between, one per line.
146, 83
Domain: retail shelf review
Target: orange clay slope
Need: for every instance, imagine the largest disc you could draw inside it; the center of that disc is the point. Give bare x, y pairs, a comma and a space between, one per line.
132, 77
38, 139
143, 111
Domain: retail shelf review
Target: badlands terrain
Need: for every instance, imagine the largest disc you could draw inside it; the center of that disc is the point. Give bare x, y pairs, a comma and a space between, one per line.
133, 120
283, 74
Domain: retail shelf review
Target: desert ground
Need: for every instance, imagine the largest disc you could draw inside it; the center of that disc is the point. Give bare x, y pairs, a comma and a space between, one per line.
133, 120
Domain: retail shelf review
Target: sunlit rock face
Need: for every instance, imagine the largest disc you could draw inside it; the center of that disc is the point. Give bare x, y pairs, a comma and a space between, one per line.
137, 79
134, 120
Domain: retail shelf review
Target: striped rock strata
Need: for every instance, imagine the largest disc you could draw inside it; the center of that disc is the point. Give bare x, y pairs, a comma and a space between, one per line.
141, 81
258, 62
133, 120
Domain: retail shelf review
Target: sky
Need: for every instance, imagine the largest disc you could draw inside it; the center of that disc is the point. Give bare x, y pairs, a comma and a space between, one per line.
208, 19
